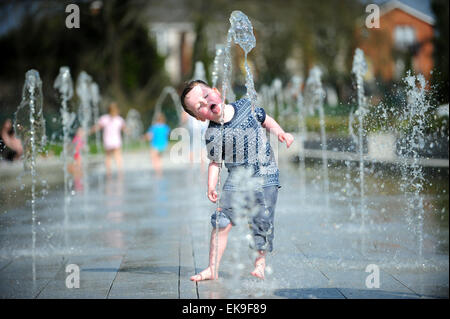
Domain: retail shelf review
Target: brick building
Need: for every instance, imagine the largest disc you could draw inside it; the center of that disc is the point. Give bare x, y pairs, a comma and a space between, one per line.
403, 41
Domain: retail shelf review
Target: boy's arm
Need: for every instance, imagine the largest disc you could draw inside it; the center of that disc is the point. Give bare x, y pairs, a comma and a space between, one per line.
273, 127
213, 176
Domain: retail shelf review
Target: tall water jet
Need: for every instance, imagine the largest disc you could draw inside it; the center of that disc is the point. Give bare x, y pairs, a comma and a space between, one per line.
315, 95
349, 187
242, 34
359, 69
199, 71
95, 100
245, 209
218, 62
297, 83
63, 83
172, 93
29, 126
413, 116
84, 93
277, 95
134, 126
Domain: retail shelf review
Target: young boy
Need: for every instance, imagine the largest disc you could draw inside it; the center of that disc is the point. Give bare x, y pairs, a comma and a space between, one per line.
205, 103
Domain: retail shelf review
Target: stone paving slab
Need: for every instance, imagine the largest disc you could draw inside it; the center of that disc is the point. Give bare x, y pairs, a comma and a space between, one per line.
18, 281
96, 277
188, 289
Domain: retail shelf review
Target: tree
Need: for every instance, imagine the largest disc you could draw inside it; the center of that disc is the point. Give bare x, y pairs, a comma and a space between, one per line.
112, 45
440, 78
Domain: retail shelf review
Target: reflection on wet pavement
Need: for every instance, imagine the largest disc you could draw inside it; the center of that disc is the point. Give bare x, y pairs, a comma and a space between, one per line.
143, 236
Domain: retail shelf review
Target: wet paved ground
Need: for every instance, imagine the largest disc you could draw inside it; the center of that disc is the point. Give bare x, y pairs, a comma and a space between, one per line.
141, 236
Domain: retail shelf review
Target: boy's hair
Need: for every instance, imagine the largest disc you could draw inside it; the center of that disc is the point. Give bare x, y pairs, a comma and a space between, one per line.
188, 89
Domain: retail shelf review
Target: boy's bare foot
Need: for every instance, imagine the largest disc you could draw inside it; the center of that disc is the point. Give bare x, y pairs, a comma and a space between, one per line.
206, 274
260, 265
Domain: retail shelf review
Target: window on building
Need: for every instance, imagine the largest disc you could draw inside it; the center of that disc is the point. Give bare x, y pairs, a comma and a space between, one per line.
404, 37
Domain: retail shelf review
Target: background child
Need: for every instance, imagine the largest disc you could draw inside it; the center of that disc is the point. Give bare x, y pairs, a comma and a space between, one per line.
158, 135
112, 125
205, 103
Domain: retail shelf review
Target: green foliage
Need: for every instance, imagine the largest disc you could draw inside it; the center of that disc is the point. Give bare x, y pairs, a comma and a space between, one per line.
112, 45
337, 125
440, 79
53, 149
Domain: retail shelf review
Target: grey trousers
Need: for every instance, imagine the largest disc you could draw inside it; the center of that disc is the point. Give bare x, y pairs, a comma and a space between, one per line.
259, 209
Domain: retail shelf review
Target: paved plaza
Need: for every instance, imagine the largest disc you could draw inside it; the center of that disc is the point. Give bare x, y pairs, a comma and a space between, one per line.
143, 236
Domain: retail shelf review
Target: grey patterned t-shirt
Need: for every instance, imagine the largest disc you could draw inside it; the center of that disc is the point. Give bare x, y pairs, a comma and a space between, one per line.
244, 144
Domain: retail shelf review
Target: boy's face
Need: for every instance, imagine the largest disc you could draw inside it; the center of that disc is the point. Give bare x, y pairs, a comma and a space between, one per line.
205, 103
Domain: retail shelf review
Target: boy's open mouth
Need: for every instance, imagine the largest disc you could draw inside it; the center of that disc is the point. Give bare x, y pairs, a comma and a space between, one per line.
215, 108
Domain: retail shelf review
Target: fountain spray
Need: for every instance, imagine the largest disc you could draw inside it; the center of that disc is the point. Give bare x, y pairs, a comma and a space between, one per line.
29, 126
315, 95
297, 83
218, 61
359, 69
134, 125
95, 99
241, 33
199, 71
84, 82
172, 93
413, 140
63, 83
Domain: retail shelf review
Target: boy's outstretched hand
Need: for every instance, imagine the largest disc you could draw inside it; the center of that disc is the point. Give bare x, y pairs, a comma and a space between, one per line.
286, 137
212, 195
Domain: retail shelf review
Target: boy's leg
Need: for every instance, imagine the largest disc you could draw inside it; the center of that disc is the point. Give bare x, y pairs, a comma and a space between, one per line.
208, 273
263, 228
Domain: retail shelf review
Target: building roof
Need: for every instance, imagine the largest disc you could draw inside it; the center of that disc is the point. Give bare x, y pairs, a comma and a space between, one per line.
395, 4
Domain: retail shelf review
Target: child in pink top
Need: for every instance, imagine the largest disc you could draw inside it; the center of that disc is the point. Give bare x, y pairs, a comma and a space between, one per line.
112, 125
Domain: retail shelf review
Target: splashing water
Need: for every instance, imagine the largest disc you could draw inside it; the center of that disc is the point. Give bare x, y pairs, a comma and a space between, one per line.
134, 126
172, 93
297, 83
84, 93
218, 62
350, 189
277, 94
63, 83
29, 123
242, 33
95, 99
359, 69
314, 97
199, 71
413, 140
29, 126
245, 208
